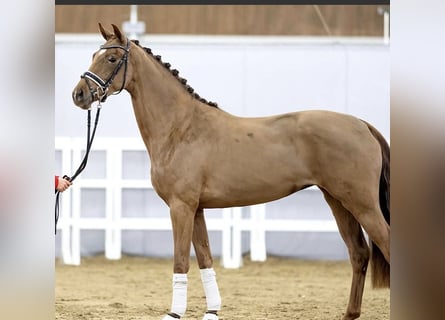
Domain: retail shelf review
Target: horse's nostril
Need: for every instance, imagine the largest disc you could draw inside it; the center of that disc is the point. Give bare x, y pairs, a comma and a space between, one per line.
78, 95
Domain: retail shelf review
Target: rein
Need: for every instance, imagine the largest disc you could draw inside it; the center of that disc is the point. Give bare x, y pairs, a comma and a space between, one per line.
90, 137
103, 87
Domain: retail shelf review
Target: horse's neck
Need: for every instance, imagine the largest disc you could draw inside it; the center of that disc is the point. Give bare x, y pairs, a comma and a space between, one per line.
161, 105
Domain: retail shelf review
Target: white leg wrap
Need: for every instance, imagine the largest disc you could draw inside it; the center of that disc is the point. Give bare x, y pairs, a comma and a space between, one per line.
179, 300
208, 278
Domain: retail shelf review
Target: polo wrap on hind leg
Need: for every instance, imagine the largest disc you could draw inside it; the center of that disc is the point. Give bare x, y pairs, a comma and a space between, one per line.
179, 300
213, 298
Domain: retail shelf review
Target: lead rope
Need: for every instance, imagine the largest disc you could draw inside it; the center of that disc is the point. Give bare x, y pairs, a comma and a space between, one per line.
83, 164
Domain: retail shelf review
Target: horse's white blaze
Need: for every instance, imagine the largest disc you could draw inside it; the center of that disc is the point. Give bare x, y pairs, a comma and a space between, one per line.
101, 52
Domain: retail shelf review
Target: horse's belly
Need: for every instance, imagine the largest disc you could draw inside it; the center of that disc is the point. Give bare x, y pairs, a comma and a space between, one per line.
250, 176
248, 193
240, 200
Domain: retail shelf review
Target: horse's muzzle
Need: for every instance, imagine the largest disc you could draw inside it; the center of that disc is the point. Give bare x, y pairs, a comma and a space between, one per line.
81, 96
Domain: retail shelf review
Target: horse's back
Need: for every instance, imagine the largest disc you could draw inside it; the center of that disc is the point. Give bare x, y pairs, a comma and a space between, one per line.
262, 159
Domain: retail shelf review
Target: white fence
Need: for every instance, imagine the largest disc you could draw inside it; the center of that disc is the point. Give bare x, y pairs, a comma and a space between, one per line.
230, 224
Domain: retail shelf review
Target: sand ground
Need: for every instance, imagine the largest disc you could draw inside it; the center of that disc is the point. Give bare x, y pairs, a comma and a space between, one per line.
140, 288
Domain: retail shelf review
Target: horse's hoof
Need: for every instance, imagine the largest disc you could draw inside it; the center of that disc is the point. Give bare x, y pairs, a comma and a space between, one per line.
351, 316
210, 316
169, 317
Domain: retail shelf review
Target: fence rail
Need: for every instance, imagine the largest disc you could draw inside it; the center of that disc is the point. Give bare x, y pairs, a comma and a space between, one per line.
231, 224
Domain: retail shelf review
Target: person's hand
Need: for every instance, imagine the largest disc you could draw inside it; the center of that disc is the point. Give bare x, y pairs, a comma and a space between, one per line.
63, 184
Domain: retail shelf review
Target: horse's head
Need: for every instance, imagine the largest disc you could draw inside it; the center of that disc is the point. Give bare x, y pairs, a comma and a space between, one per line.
107, 73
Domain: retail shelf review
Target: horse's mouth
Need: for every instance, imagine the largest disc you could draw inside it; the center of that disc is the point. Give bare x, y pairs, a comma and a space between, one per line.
85, 105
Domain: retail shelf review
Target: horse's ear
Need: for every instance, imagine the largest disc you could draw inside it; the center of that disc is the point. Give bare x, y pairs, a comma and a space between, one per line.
118, 34
107, 35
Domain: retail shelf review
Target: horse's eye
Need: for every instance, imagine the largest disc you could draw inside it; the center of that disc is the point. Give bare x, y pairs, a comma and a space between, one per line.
111, 59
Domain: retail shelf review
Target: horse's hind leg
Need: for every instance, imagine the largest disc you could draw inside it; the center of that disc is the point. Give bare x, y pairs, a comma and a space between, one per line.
352, 234
201, 244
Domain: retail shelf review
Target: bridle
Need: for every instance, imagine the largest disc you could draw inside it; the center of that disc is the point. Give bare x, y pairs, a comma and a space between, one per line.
101, 85
101, 91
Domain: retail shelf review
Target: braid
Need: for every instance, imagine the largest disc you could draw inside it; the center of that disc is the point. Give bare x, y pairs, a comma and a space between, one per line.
175, 73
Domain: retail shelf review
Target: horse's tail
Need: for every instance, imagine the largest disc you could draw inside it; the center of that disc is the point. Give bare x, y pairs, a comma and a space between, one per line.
380, 268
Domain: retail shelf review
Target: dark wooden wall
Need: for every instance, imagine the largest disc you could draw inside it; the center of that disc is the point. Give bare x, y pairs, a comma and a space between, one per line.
343, 20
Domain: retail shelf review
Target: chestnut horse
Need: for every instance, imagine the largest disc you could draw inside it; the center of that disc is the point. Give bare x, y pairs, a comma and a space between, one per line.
202, 157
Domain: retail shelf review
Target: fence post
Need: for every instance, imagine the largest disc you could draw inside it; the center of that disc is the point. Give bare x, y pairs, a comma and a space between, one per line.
113, 241
231, 238
226, 255
236, 237
258, 233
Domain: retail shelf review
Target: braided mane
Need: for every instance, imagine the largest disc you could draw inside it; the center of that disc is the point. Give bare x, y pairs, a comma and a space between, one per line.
175, 73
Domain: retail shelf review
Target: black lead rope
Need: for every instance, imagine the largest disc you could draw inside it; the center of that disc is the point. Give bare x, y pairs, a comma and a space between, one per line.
90, 137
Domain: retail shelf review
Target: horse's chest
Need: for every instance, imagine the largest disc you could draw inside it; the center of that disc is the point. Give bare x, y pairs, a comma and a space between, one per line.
175, 182
162, 182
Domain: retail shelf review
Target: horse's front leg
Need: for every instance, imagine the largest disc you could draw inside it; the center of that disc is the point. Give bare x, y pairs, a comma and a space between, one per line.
182, 217
205, 262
